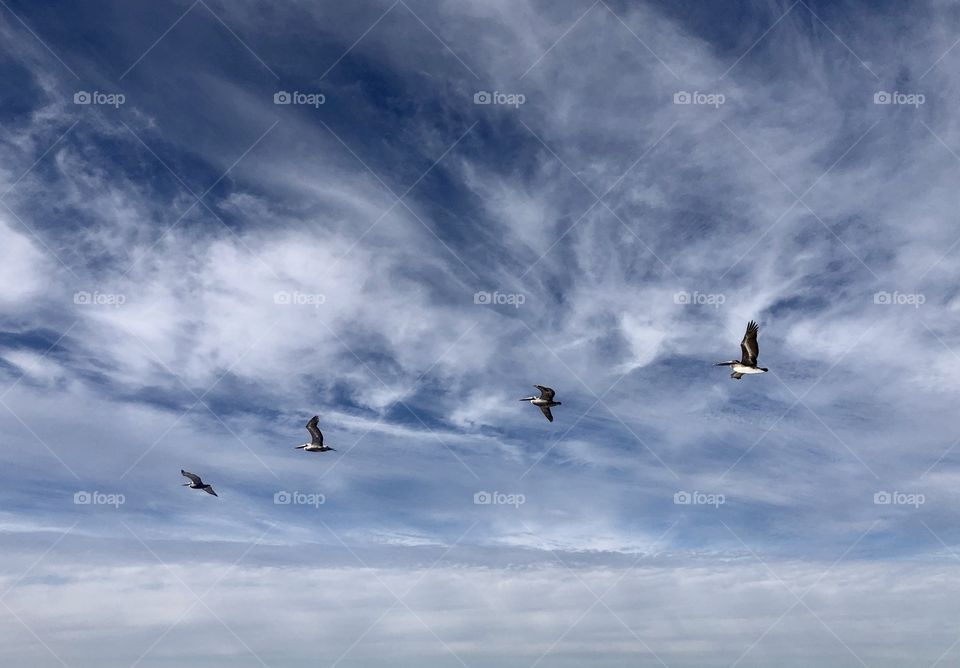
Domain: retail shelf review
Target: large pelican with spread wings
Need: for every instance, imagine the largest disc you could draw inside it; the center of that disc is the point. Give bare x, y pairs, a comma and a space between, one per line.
544, 401
749, 350
196, 482
316, 438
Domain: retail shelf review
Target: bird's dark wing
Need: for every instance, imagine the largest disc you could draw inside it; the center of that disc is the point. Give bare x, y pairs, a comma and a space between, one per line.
545, 392
749, 350
546, 412
315, 435
195, 478
209, 490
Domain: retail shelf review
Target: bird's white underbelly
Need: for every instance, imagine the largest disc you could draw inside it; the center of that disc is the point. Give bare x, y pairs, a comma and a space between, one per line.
739, 368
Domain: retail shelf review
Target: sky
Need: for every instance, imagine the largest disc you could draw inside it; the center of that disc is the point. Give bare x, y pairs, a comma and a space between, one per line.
218, 219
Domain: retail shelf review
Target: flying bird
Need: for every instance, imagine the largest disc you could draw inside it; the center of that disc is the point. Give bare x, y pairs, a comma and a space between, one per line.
747, 364
316, 438
196, 482
544, 401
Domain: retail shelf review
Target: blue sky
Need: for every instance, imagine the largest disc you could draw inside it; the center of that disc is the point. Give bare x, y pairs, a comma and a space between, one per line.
465, 199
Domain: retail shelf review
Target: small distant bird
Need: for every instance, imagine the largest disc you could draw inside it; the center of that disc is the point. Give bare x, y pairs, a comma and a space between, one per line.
316, 438
749, 350
196, 482
544, 401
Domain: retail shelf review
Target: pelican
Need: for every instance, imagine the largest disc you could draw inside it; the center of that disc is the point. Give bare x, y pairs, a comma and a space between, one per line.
544, 401
196, 482
316, 438
747, 364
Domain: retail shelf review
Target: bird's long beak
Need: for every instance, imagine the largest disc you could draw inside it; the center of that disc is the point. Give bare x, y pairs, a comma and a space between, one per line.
300, 446
528, 399
184, 484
